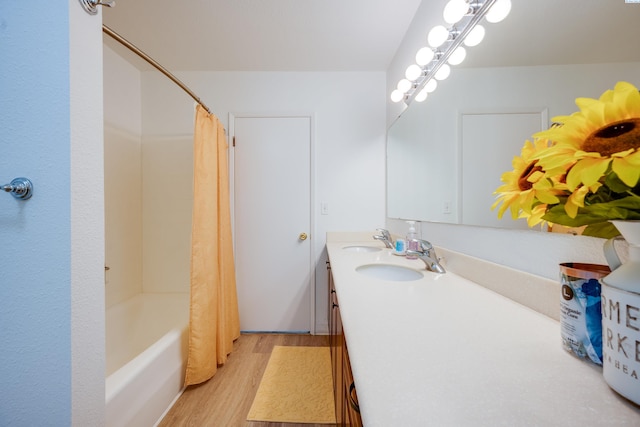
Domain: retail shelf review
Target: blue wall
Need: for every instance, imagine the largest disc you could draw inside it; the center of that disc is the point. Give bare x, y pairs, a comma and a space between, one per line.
35, 251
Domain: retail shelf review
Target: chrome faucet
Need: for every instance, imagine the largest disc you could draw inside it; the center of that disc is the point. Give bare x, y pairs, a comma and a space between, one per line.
427, 254
385, 237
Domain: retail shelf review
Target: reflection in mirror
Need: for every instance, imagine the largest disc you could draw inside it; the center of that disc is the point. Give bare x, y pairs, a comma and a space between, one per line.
445, 156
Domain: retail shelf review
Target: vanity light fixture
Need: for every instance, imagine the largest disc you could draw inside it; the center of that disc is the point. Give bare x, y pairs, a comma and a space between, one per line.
424, 56
475, 36
443, 72
444, 45
404, 85
457, 56
455, 10
396, 96
413, 72
422, 95
499, 11
437, 36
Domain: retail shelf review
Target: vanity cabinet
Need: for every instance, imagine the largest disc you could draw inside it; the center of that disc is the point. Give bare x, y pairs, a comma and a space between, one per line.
346, 401
352, 409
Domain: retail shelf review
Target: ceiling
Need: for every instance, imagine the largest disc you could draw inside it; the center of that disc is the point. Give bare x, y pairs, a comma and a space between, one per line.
361, 35
264, 35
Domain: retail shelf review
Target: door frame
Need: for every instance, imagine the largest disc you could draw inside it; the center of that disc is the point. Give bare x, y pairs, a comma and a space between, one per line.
312, 192
542, 112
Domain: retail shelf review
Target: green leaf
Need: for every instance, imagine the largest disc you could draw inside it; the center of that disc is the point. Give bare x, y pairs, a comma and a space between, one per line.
606, 230
557, 215
615, 184
626, 208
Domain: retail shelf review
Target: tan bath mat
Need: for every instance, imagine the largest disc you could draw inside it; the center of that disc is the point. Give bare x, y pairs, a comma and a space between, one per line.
296, 387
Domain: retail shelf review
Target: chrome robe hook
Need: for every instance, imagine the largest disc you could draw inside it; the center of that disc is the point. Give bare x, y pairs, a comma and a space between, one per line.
20, 188
90, 6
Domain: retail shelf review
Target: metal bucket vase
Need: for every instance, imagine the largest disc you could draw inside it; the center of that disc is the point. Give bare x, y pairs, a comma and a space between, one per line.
621, 315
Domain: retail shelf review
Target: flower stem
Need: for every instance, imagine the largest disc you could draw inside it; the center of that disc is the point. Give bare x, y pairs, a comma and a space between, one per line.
631, 193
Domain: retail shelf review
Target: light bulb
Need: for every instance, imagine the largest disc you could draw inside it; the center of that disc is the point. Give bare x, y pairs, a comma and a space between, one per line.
413, 72
454, 11
475, 36
431, 86
424, 56
437, 36
396, 96
404, 85
498, 11
457, 56
421, 96
443, 72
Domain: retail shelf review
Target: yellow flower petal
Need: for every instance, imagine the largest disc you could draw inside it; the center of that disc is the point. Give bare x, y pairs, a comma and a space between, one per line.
536, 215
547, 198
575, 201
627, 168
587, 171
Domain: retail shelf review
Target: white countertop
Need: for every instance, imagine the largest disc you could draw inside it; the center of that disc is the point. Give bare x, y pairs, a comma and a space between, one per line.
444, 351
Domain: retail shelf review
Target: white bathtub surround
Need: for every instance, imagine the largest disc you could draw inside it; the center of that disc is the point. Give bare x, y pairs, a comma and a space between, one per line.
146, 357
445, 351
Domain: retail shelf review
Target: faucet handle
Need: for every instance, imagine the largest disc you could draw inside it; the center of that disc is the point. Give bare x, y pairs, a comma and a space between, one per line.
425, 246
384, 232
427, 254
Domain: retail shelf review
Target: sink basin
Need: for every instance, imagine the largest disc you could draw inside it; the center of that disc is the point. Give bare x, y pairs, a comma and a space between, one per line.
389, 272
361, 249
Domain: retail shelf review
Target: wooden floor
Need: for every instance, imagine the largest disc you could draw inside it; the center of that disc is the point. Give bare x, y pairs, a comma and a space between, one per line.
226, 398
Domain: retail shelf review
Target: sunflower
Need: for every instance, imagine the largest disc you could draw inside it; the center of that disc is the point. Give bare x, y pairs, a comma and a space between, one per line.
603, 136
584, 170
526, 191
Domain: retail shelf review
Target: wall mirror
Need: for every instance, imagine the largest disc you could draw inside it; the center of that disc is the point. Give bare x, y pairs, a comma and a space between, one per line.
445, 155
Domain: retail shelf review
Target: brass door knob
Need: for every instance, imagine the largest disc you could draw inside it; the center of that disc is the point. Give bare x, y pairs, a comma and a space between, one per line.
303, 236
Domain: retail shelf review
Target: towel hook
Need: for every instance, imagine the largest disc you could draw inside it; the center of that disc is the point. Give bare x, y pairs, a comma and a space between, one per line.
90, 5
20, 188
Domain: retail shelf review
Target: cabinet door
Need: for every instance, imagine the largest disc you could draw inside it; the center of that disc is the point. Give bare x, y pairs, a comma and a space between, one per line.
338, 366
335, 346
330, 290
346, 401
352, 408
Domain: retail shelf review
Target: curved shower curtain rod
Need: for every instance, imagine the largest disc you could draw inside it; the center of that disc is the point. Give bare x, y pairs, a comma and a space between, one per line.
126, 43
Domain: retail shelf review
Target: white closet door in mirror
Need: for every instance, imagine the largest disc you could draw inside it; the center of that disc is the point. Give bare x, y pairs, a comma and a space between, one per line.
484, 158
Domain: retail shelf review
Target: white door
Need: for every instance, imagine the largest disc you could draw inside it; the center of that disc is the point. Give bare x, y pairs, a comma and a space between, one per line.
272, 222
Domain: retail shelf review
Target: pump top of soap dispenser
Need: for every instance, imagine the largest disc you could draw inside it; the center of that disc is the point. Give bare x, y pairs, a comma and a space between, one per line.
412, 243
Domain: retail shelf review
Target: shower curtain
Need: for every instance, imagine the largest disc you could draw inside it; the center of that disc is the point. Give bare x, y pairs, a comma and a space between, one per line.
214, 320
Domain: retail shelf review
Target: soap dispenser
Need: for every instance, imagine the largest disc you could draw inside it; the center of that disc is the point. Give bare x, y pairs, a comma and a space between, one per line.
412, 245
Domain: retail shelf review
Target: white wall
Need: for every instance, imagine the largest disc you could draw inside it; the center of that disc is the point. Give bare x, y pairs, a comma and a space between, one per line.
122, 178
531, 251
87, 216
349, 110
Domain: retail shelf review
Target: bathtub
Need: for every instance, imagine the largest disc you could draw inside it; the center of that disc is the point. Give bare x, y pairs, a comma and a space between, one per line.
146, 350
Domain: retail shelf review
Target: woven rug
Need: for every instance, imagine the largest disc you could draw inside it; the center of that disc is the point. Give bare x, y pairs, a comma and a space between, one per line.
296, 387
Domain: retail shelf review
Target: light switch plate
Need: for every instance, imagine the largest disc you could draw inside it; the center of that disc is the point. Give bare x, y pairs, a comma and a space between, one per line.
324, 208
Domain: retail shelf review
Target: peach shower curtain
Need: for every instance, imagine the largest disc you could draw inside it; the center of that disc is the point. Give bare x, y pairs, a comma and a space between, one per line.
214, 321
